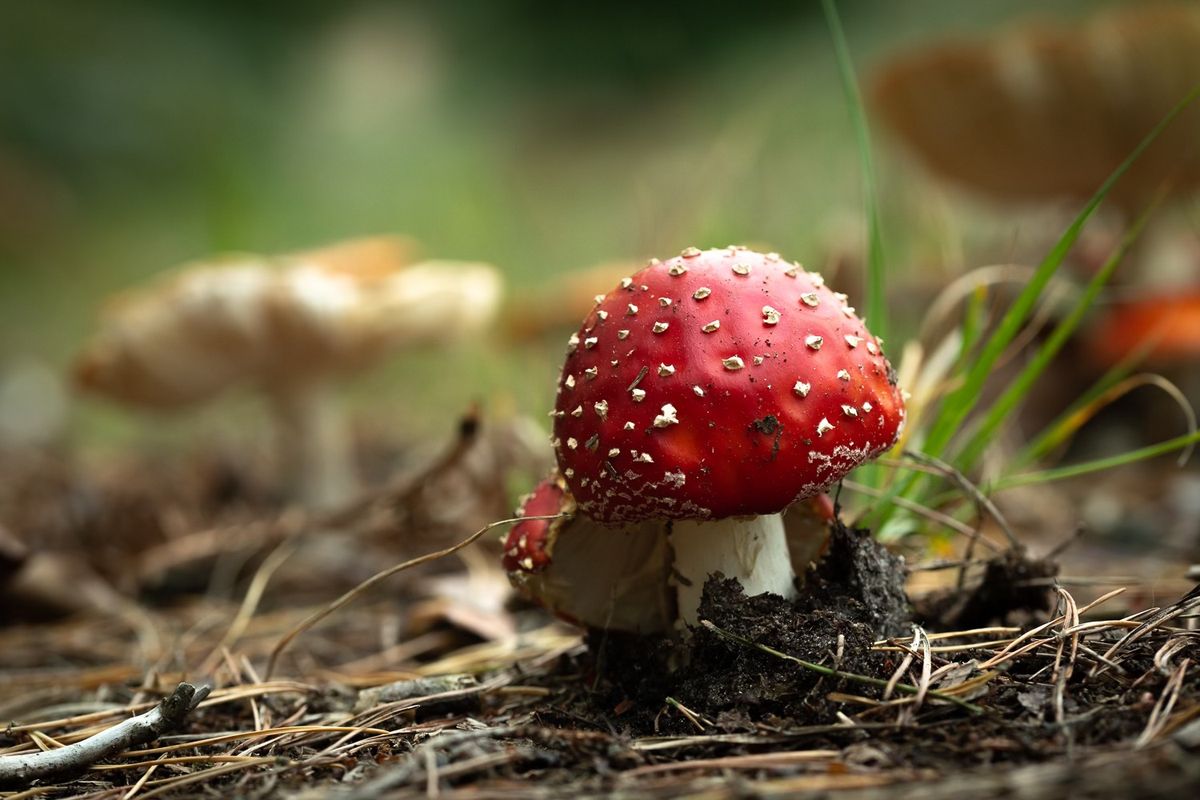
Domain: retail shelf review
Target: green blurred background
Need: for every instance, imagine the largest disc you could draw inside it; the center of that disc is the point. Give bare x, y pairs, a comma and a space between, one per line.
541, 136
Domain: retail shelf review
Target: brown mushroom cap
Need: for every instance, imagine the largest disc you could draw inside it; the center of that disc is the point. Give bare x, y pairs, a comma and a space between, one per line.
1050, 111
278, 322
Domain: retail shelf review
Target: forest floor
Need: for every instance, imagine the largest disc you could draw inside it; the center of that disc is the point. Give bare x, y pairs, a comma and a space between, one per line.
118, 583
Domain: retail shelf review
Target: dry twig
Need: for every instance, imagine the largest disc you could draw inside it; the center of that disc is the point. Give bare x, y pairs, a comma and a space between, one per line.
73, 759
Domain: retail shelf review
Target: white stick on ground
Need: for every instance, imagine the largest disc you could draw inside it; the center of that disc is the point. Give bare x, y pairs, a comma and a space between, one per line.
66, 762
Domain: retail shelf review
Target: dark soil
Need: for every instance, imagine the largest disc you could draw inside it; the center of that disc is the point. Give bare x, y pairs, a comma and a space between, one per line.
853, 598
862, 581
1013, 590
556, 719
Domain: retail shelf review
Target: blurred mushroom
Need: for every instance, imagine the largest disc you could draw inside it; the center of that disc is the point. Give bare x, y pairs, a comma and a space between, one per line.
1049, 111
1165, 329
293, 326
562, 300
33, 404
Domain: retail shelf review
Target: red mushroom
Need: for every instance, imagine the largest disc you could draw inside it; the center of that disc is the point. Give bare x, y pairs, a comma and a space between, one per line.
700, 399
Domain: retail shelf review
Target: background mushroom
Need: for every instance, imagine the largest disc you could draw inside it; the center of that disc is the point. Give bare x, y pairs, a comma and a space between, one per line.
293, 327
702, 397
1048, 111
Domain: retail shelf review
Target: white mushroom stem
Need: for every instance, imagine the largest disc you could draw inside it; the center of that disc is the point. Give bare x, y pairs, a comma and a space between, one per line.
314, 445
751, 549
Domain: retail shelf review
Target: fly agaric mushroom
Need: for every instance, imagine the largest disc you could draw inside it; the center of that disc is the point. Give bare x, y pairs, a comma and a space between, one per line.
292, 326
701, 398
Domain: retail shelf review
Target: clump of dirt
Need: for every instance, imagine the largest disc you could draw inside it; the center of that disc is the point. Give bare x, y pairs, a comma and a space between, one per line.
1013, 589
851, 599
723, 675
860, 579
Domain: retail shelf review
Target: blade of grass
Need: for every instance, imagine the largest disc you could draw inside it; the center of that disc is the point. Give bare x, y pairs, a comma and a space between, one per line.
1073, 423
963, 400
1065, 424
972, 324
876, 305
876, 310
959, 404
1096, 465
1019, 388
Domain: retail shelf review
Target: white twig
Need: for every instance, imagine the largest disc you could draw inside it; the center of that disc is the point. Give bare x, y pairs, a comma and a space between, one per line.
66, 762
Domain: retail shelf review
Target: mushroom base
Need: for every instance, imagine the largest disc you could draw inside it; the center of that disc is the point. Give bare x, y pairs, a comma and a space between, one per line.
751, 550
315, 446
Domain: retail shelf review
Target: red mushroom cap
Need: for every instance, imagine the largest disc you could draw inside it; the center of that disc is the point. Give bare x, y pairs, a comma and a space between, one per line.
529, 542
719, 383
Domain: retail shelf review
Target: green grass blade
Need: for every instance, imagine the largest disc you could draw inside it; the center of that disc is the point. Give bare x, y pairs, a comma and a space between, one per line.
876, 286
972, 324
1061, 427
959, 404
1016, 392
963, 400
1096, 465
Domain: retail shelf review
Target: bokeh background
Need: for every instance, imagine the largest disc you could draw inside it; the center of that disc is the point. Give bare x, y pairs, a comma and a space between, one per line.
540, 136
